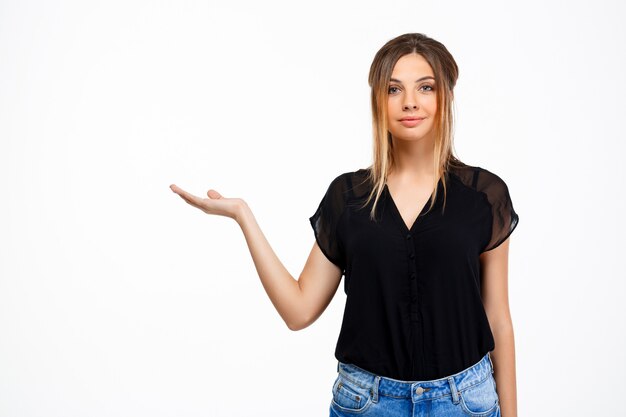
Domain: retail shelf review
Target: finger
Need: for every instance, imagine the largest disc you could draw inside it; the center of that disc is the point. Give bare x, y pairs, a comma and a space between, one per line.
188, 197
174, 188
192, 199
180, 191
213, 194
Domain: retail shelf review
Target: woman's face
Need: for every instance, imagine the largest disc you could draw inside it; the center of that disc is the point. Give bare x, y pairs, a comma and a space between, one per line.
411, 94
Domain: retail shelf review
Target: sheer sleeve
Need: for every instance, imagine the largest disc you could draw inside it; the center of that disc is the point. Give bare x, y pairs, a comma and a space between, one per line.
325, 222
504, 219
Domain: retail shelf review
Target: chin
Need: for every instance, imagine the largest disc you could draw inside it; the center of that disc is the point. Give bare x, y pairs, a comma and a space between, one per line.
411, 137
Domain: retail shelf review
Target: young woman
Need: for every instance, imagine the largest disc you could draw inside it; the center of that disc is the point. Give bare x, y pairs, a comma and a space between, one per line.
422, 240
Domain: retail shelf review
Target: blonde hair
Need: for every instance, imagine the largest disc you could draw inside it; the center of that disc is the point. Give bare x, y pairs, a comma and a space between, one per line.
446, 73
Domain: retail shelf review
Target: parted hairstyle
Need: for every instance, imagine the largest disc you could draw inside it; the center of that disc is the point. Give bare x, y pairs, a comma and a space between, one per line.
446, 73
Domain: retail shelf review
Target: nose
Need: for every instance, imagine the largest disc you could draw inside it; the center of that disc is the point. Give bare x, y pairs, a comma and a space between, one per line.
409, 102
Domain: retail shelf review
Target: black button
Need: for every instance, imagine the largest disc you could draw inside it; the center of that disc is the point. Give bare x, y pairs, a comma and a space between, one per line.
408, 236
412, 255
413, 275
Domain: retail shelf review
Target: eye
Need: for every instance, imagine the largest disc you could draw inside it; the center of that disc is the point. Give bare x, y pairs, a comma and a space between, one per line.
390, 88
429, 86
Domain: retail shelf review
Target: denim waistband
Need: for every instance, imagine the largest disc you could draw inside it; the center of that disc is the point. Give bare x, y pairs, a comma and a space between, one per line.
418, 390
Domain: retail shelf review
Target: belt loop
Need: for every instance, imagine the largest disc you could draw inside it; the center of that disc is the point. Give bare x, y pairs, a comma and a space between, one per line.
374, 389
337, 366
490, 361
455, 392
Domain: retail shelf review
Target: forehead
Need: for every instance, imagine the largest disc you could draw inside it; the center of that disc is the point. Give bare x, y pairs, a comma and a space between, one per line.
410, 67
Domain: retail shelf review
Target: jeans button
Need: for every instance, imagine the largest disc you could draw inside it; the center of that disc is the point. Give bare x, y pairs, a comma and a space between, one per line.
419, 390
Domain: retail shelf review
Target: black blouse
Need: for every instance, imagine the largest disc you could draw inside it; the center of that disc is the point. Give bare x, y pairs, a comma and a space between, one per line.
413, 308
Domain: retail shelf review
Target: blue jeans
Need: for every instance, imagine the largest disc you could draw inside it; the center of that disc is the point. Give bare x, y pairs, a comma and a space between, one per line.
471, 392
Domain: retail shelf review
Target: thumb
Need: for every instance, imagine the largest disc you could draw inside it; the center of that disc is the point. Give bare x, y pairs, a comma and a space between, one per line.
213, 194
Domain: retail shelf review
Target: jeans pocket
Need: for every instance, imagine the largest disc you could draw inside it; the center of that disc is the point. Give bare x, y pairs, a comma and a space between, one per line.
481, 399
350, 396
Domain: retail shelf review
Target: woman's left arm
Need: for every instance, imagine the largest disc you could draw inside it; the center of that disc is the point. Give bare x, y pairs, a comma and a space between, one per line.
495, 294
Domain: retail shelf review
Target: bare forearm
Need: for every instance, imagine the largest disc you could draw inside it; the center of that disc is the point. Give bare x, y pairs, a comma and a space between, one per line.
282, 289
503, 358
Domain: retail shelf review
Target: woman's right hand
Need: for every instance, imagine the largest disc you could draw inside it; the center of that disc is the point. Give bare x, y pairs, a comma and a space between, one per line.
299, 302
215, 204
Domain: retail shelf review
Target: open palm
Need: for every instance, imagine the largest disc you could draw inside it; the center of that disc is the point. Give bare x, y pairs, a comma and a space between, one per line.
215, 204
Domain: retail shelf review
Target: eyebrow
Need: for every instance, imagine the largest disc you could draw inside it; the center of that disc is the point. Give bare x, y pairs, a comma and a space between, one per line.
417, 81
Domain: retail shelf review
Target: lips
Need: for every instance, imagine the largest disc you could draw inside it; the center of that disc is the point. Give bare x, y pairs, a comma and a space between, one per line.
411, 121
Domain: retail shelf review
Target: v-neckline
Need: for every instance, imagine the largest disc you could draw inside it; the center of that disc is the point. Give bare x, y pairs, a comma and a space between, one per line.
398, 215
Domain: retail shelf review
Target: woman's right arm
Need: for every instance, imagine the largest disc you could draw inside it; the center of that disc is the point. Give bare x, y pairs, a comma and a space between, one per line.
299, 302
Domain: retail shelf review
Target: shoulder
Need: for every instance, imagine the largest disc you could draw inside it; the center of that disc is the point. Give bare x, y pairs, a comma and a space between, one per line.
341, 181
495, 190
491, 183
348, 179
349, 185
339, 186
477, 177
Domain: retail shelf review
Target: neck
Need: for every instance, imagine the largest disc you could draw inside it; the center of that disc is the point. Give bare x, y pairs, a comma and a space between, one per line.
413, 159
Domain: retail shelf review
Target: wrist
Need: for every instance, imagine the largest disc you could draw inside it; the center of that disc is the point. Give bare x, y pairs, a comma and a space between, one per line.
241, 211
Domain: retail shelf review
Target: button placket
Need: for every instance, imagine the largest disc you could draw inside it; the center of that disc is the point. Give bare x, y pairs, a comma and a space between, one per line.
412, 277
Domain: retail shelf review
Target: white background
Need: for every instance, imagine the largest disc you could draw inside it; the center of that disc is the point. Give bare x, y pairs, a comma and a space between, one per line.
119, 299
